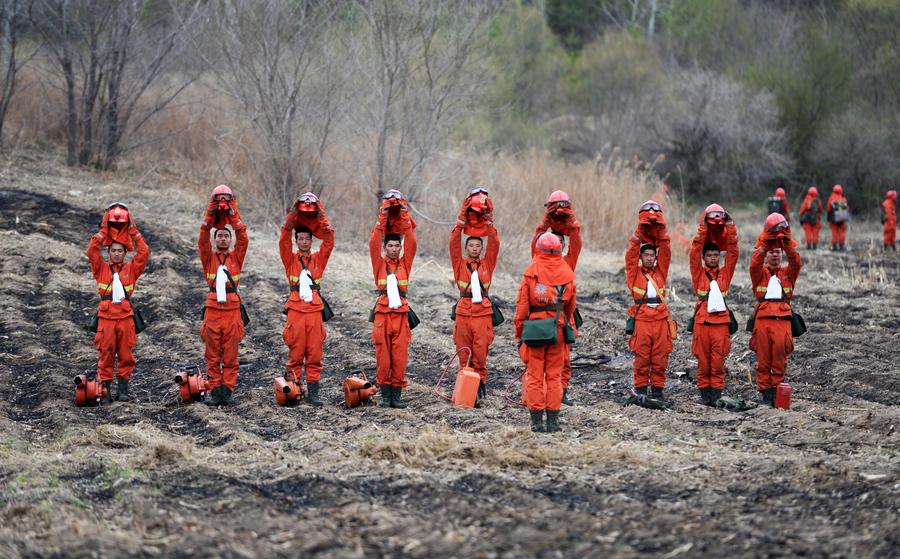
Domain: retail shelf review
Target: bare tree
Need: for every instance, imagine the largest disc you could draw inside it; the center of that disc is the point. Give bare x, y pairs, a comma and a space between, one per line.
417, 81
109, 53
279, 62
11, 14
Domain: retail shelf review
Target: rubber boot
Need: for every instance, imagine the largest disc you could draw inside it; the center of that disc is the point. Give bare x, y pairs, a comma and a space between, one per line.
226, 396
641, 390
386, 393
481, 394
656, 393
109, 397
770, 396
312, 394
714, 395
704, 397
396, 402
537, 421
565, 399
833, 248
122, 390
815, 246
214, 397
552, 421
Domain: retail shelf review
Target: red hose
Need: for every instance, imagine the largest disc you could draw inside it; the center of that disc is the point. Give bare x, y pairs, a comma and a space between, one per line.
447, 368
509, 387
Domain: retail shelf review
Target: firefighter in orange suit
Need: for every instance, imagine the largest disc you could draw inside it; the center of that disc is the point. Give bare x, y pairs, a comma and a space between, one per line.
116, 281
560, 219
304, 330
838, 215
547, 292
223, 324
646, 270
889, 220
785, 209
773, 285
473, 268
395, 232
811, 217
711, 336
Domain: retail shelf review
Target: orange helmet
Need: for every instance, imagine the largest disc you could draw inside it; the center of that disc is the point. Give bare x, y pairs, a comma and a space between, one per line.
558, 199
549, 242
892, 194
479, 202
776, 222
813, 191
117, 212
780, 192
308, 202
838, 189
714, 214
650, 205
222, 192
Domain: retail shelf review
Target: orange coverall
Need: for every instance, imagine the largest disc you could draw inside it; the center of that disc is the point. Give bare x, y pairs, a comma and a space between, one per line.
812, 204
838, 230
890, 222
304, 331
771, 339
390, 332
544, 365
115, 337
650, 342
222, 329
474, 328
711, 341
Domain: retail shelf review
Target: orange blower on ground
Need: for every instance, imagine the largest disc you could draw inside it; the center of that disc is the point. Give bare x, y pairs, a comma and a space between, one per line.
889, 220
358, 391
838, 214
192, 385
288, 390
89, 391
811, 217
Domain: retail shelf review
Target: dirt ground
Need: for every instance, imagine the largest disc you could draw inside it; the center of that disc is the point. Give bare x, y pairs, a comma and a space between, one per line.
156, 477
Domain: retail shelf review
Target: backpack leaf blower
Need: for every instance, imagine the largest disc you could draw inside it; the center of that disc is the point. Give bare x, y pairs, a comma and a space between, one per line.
88, 391
288, 391
358, 390
192, 385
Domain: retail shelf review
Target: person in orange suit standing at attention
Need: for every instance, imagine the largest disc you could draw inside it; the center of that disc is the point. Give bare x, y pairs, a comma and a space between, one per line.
646, 270
889, 220
838, 216
116, 280
223, 318
474, 326
773, 285
811, 217
711, 341
304, 330
547, 292
560, 219
395, 232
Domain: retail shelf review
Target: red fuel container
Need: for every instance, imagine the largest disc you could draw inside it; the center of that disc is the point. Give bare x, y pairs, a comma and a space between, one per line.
466, 390
783, 396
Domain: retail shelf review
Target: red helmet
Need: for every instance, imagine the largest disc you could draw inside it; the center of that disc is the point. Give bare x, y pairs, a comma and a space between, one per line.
478, 203
558, 196
776, 222
780, 192
892, 194
813, 191
308, 202
650, 205
838, 189
117, 212
714, 214
549, 242
222, 192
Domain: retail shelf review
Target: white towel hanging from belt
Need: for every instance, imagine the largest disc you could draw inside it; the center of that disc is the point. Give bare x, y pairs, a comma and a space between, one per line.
715, 303
393, 292
305, 284
476, 287
773, 290
221, 284
118, 290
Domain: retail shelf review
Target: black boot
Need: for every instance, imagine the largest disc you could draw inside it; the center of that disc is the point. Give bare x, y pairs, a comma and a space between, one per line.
107, 384
833, 248
537, 421
815, 246
214, 397
714, 395
656, 393
386, 392
704, 397
565, 398
641, 390
312, 394
770, 396
226, 396
481, 395
122, 390
396, 402
552, 421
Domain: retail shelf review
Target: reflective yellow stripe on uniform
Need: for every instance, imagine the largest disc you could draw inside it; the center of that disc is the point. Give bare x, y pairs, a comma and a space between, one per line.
638, 290
296, 279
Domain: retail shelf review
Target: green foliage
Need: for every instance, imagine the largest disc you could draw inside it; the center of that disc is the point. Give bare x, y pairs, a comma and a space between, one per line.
712, 34
575, 22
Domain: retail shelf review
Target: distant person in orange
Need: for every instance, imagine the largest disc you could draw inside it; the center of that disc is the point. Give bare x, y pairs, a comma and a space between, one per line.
646, 270
395, 232
304, 330
560, 219
838, 216
223, 322
811, 217
779, 203
472, 271
711, 335
116, 281
889, 220
547, 292
773, 285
